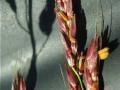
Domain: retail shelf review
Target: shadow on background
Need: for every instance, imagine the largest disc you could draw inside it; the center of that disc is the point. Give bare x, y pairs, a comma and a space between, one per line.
32, 74
81, 34
47, 17
46, 20
12, 4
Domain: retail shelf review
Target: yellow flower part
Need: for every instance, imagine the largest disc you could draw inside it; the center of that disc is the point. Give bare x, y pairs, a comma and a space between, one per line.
81, 60
61, 14
73, 40
103, 53
94, 86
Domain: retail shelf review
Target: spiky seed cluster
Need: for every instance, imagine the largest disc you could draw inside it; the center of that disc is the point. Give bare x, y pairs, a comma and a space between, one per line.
77, 63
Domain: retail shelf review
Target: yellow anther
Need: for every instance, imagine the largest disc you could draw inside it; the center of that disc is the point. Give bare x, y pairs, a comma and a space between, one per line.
72, 39
61, 13
103, 53
93, 86
81, 60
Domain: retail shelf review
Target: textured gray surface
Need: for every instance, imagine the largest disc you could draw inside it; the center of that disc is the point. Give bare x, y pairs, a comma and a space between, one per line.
16, 44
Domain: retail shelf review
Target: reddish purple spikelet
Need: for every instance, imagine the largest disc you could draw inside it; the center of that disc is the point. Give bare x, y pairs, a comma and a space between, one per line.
67, 26
91, 66
18, 83
71, 79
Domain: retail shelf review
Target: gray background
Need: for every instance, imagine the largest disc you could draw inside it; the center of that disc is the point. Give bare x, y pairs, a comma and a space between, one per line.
16, 48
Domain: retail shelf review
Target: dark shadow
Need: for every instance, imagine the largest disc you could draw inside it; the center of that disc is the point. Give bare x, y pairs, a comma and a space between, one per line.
12, 4
81, 34
46, 20
47, 17
112, 46
32, 74
106, 42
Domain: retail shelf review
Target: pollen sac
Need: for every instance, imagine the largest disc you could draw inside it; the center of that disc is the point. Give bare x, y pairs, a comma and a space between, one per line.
103, 54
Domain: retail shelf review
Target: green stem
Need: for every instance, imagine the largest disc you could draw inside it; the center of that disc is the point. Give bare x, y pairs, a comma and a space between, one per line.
78, 77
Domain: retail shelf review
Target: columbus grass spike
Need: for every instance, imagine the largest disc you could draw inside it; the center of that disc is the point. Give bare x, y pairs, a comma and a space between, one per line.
67, 24
80, 64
